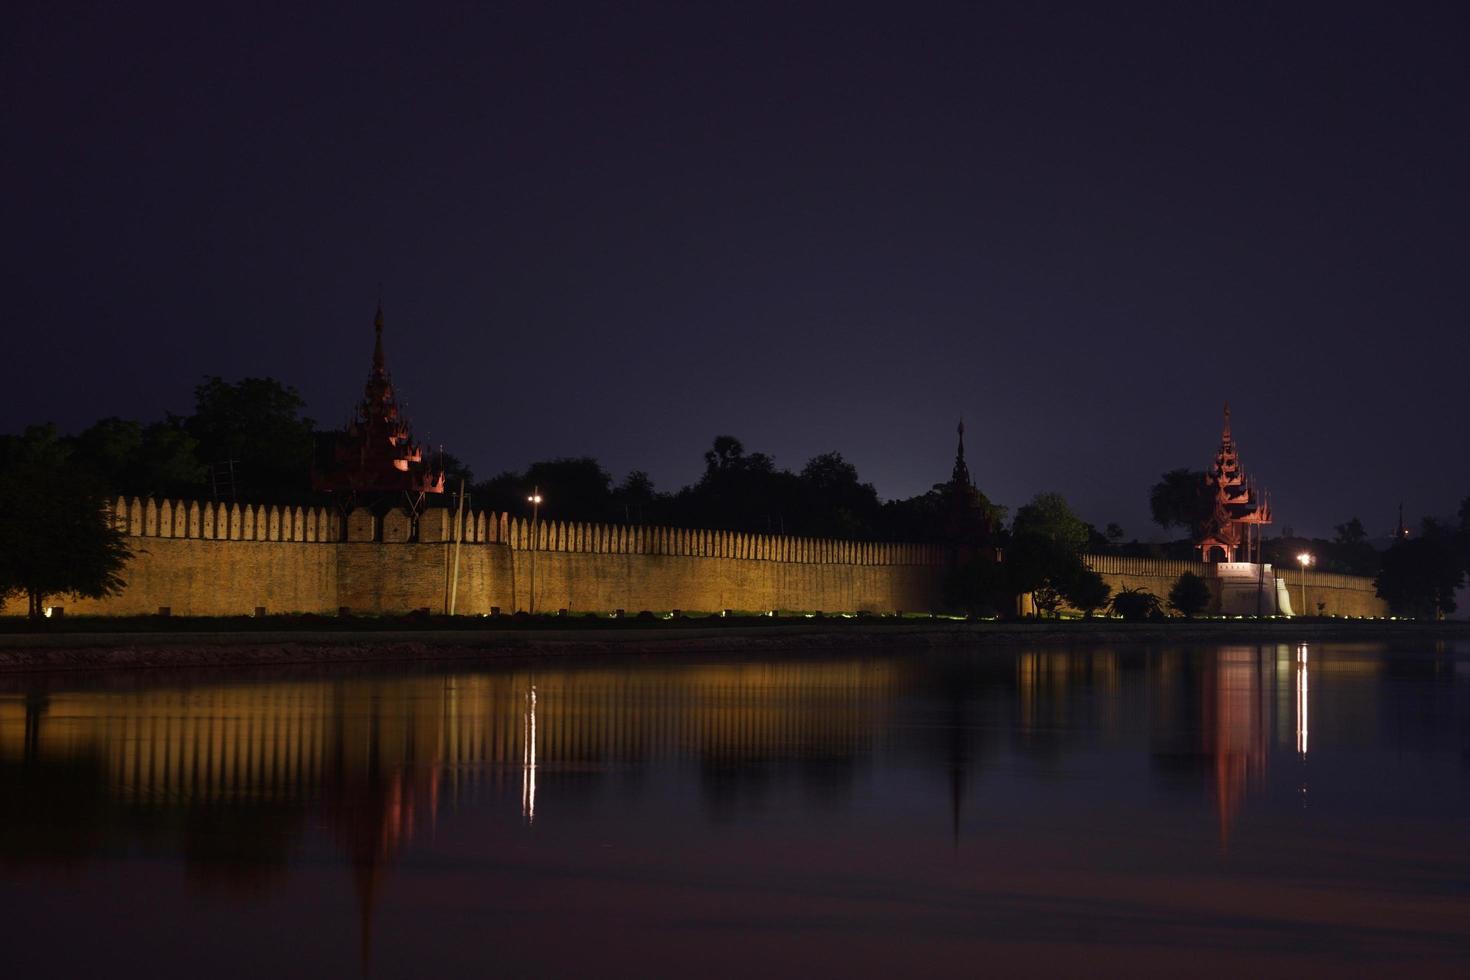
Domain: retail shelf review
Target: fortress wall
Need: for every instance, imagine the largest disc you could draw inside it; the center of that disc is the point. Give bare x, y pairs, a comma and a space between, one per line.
198, 577
595, 567
1149, 574
217, 559
206, 558
376, 578
1344, 595
580, 582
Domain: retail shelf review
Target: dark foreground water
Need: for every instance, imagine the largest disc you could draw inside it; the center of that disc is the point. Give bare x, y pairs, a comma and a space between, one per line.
1251, 810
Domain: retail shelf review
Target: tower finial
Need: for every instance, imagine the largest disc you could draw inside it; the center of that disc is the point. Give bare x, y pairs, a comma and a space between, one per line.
378, 345
961, 475
1227, 421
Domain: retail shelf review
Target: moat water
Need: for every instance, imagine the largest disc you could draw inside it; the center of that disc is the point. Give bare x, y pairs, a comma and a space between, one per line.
1242, 810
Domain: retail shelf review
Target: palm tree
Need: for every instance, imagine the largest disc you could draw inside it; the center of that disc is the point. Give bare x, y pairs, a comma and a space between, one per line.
1136, 604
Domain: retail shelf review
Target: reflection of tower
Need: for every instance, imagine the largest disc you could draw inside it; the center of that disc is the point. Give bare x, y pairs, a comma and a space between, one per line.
384, 770
528, 758
36, 703
1235, 723
959, 752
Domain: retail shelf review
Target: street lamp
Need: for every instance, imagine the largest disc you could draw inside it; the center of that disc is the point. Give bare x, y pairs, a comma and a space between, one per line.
535, 501
1305, 558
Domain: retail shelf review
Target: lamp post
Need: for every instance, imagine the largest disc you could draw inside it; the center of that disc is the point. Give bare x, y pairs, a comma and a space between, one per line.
535, 501
1305, 558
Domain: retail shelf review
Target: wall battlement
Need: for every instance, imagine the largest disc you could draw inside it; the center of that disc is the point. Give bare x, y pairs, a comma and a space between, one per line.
207, 558
1340, 595
210, 521
214, 521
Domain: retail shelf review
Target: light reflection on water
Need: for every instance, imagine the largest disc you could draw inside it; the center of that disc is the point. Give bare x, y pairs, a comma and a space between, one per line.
1265, 808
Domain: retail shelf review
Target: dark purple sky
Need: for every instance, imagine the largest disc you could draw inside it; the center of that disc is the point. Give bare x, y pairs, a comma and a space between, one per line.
620, 229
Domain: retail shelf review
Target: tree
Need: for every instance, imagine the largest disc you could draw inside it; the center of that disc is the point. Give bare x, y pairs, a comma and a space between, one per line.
144, 461
832, 501
456, 471
635, 501
1179, 499
1085, 590
574, 488
727, 453
977, 586
1136, 605
256, 425
1048, 516
56, 534
1044, 555
1190, 595
739, 492
1420, 576
1351, 533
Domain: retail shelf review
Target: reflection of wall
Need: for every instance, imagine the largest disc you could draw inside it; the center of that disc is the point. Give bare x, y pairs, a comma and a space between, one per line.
237, 773
1053, 685
289, 741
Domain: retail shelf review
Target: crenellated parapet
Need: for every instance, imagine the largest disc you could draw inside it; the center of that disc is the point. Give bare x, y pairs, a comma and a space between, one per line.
1146, 567
594, 538
146, 517
218, 521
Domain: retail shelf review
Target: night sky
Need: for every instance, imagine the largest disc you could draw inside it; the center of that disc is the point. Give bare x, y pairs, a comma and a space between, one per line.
620, 229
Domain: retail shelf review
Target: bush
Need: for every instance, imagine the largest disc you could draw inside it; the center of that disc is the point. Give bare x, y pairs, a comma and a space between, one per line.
1190, 596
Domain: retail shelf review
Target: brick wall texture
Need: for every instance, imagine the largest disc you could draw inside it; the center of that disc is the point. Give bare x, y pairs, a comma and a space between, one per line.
213, 559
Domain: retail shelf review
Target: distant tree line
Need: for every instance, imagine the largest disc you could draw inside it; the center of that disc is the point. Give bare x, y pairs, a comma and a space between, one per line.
737, 491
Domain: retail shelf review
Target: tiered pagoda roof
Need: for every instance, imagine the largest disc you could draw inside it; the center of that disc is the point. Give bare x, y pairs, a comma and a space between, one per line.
966, 511
1235, 506
376, 453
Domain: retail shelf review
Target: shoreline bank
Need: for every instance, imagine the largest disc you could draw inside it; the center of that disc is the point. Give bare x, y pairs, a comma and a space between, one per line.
105, 651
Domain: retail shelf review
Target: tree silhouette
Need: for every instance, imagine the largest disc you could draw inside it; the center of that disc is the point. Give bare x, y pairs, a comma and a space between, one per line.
1190, 595
56, 535
1179, 499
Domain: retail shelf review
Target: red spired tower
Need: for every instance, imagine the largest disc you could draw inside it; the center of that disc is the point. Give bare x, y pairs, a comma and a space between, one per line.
1231, 531
376, 455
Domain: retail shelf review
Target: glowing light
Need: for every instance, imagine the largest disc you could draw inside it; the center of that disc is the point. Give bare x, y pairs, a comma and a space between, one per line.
534, 498
1305, 558
47, 611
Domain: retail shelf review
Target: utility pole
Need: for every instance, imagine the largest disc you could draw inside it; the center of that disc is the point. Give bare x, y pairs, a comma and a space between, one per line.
535, 501
458, 540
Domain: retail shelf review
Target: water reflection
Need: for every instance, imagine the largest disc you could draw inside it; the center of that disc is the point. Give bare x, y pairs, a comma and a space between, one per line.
1302, 709
528, 759
231, 778
376, 754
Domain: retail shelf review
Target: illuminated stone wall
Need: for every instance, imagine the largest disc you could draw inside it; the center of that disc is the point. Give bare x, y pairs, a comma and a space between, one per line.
1342, 595
228, 560
1154, 575
218, 559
